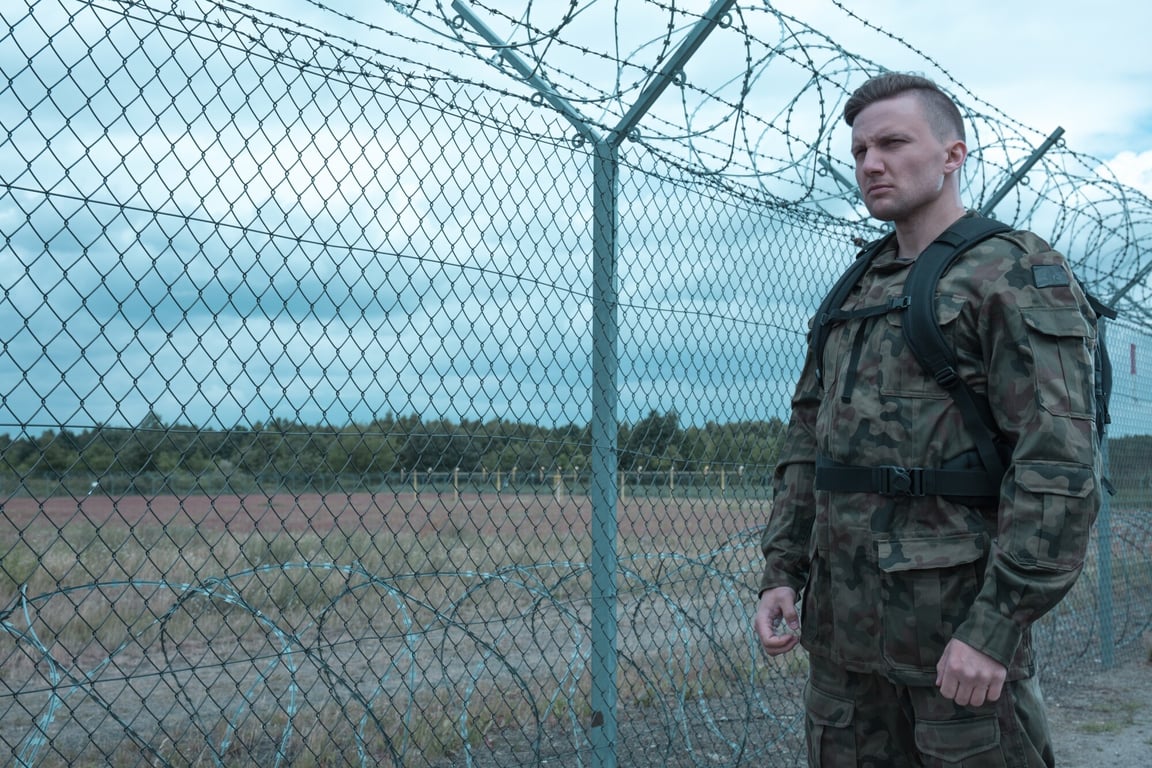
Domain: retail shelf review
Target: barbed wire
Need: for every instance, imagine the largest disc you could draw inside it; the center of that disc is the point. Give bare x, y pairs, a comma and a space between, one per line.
161, 177
777, 150
490, 623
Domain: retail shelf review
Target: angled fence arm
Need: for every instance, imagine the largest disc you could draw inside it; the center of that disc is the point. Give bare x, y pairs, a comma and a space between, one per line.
581, 123
841, 179
1018, 174
672, 67
1136, 280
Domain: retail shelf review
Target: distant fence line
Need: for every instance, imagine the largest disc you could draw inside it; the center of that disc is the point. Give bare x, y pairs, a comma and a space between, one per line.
744, 481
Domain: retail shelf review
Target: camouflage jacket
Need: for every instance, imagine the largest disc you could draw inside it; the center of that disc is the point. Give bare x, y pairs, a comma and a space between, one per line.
888, 580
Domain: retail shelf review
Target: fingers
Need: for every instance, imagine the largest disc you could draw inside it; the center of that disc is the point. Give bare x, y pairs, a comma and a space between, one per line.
789, 615
979, 693
774, 639
996, 689
969, 695
777, 622
775, 643
969, 677
780, 645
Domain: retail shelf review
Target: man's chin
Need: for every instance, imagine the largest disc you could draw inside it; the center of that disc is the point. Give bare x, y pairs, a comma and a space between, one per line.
881, 212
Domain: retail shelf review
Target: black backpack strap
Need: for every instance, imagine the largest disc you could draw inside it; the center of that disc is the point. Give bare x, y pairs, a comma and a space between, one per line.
829, 311
928, 343
1103, 365
973, 485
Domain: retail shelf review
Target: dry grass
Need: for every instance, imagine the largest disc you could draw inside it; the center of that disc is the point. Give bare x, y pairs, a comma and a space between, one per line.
339, 631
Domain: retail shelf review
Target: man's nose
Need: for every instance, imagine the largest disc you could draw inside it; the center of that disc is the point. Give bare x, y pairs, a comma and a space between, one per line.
870, 163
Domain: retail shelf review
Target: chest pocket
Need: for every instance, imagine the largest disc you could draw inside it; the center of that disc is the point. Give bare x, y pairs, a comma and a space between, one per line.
899, 372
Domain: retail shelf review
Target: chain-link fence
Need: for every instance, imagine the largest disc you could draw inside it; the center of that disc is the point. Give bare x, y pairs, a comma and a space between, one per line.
347, 421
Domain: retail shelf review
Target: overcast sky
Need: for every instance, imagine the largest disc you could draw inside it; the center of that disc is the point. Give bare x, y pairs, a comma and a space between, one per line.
356, 253
1083, 66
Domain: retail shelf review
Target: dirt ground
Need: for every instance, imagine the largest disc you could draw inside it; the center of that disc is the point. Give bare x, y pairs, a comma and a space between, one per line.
1105, 720
1100, 721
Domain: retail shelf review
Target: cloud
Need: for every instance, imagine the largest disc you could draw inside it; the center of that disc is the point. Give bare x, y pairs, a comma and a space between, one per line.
1133, 169
1074, 65
266, 242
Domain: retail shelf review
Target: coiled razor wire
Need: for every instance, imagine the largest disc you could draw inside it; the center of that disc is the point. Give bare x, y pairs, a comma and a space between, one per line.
779, 141
138, 222
426, 657
748, 727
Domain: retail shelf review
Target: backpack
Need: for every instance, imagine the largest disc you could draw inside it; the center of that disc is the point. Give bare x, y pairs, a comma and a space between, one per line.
931, 348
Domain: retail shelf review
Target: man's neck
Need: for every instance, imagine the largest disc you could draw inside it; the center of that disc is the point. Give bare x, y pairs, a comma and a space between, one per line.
914, 235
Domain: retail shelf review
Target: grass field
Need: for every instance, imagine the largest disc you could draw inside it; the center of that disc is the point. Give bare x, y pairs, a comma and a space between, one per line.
427, 629
409, 629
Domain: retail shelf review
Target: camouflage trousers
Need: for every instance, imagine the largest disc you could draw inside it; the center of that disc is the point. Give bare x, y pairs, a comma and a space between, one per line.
857, 719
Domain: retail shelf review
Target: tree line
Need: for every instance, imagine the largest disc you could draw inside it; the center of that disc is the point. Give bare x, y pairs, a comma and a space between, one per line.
656, 442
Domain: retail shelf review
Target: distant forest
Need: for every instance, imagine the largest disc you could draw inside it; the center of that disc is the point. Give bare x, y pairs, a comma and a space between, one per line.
655, 443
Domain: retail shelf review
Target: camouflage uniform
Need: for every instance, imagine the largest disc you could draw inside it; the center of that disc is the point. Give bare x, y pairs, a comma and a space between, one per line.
887, 580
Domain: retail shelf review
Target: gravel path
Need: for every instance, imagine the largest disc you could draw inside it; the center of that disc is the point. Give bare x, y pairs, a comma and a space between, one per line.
1105, 720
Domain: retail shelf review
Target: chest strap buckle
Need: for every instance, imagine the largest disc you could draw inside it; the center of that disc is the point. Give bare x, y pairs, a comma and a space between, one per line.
892, 480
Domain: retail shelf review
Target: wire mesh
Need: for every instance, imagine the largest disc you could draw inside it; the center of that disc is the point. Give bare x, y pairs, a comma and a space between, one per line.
296, 378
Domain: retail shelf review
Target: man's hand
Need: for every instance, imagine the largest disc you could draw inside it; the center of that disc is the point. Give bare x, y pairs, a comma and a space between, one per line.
777, 622
967, 676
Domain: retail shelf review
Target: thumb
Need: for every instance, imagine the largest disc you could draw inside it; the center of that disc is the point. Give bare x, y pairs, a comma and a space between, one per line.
790, 616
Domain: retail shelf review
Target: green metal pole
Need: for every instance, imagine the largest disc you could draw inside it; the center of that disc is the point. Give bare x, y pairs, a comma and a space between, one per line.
605, 363
603, 731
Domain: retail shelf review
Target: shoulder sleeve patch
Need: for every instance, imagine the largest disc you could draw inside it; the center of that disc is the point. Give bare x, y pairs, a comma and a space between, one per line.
1050, 275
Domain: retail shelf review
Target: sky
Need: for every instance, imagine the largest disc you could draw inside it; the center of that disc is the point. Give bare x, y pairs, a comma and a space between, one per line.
1086, 67
224, 239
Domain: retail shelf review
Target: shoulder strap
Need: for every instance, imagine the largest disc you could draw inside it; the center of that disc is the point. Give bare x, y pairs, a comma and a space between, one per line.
825, 315
1103, 365
928, 343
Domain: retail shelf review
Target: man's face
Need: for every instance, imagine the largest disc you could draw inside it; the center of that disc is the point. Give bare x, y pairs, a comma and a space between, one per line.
900, 163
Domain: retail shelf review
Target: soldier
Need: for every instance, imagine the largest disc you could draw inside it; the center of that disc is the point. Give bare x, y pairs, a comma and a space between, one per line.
917, 607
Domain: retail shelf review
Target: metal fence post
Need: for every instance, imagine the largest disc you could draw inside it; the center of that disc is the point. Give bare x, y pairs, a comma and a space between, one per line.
605, 355
1104, 552
1018, 174
605, 361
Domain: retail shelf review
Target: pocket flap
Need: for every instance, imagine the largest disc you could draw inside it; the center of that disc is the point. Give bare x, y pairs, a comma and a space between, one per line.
826, 709
954, 741
1075, 480
1057, 321
918, 553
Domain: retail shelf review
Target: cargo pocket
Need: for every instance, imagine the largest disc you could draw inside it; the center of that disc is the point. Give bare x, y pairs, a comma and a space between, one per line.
1053, 502
955, 741
1062, 350
831, 740
927, 586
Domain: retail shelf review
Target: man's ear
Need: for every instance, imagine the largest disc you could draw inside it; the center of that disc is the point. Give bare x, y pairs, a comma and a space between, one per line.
957, 151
